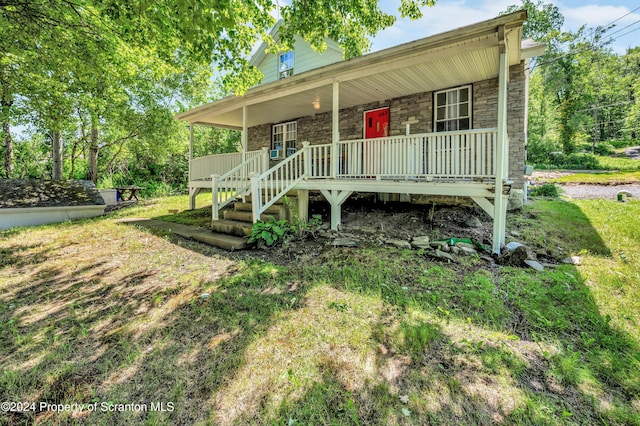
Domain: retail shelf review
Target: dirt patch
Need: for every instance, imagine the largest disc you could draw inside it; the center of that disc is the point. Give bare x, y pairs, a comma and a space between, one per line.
374, 224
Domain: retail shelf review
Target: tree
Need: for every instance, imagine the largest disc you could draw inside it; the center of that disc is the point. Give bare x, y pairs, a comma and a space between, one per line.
99, 71
543, 24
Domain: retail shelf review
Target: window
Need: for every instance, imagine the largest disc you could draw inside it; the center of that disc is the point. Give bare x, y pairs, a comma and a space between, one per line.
284, 137
285, 65
453, 109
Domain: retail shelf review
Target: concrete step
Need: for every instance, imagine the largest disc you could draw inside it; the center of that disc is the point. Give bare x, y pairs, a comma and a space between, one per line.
293, 199
242, 216
232, 227
223, 241
276, 209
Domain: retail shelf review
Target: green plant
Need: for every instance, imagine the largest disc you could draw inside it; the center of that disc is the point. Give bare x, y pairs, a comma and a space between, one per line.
300, 230
546, 190
268, 233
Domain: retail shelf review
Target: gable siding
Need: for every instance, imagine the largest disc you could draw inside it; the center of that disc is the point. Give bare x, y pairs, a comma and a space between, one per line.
305, 59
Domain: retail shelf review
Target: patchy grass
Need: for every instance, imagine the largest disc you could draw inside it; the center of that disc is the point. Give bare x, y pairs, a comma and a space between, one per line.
607, 178
617, 163
98, 311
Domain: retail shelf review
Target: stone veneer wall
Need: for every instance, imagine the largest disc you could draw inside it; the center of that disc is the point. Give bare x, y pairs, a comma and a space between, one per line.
317, 129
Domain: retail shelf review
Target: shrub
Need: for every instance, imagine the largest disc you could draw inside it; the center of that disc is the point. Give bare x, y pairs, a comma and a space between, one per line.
268, 233
546, 190
604, 148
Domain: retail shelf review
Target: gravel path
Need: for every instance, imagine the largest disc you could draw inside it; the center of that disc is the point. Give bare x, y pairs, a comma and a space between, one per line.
609, 192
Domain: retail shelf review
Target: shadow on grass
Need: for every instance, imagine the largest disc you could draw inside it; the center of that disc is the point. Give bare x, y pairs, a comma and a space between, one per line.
125, 323
356, 337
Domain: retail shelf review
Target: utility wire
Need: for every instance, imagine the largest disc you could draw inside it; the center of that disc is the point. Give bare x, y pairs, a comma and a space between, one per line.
623, 28
623, 16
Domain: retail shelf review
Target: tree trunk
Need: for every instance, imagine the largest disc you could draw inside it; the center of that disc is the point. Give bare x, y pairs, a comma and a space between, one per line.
92, 169
5, 105
57, 155
8, 150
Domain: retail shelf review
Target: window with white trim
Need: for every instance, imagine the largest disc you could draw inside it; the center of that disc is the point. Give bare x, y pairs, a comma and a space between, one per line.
452, 109
285, 65
284, 137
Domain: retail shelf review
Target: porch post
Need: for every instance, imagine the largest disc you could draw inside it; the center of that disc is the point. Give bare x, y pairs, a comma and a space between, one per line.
336, 198
192, 191
499, 203
245, 136
335, 129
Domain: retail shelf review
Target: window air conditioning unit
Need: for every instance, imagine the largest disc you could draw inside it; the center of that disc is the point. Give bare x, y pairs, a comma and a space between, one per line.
275, 154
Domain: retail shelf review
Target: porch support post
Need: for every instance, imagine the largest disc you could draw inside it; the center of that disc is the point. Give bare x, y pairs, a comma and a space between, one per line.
335, 130
336, 198
192, 191
245, 136
215, 198
499, 203
303, 205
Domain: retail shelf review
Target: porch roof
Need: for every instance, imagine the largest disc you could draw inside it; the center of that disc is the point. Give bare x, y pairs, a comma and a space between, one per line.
444, 60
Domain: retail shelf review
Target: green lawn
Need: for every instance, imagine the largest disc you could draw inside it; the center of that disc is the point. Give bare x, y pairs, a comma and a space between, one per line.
606, 178
102, 312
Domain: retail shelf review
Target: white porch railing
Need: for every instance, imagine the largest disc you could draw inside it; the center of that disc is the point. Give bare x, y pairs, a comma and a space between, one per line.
203, 167
270, 186
236, 182
467, 154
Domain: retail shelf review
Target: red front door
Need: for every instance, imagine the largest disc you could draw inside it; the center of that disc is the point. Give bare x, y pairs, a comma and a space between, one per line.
376, 123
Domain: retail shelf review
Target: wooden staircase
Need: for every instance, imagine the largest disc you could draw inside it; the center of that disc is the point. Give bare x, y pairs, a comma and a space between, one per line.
236, 223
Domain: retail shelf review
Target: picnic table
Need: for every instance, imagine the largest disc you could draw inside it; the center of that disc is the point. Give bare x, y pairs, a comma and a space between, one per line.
128, 193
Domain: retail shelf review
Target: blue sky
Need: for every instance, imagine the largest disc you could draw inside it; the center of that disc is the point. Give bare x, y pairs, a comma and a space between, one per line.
449, 14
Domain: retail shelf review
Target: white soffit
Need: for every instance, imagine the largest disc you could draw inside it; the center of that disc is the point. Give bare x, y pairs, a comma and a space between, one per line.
416, 70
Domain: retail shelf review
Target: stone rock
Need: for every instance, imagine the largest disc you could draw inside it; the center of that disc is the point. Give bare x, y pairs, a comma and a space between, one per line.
438, 244
344, 242
468, 251
473, 222
455, 250
421, 242
515, 233
441, 255
513, 245
401, 244
516, 200
514, 254
534, 265
467, 245
573, 260
420, 245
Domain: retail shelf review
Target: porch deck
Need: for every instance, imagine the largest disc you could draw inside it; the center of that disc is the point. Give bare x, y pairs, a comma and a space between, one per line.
460, 163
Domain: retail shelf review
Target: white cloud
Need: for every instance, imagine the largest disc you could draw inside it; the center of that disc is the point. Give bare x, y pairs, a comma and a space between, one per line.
448, 15
444, 16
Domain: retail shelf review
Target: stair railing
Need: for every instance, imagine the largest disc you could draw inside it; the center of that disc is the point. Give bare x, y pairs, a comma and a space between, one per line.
267, 188
236, 182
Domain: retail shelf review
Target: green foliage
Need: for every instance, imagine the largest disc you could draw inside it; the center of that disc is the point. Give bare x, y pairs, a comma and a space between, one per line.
580, 90
268, 233
546, 190
604, 148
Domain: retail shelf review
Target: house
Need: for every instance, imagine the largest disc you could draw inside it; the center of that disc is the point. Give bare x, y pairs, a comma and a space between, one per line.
441, 116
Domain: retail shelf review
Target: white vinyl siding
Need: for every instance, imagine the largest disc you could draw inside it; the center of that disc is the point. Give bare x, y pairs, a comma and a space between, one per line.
452, 109
284, 136
305, 59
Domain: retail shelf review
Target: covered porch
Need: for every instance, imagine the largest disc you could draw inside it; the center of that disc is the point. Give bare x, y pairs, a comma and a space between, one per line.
471, 163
